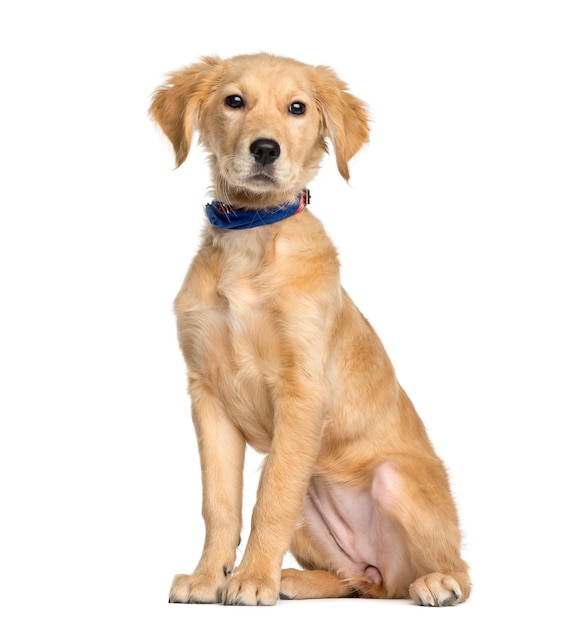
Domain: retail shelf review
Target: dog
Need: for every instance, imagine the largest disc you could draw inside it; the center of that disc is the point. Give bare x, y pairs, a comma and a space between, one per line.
279, 357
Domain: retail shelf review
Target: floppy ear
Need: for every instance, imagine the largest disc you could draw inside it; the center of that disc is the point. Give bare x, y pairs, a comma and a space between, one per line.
176, 104
345, 117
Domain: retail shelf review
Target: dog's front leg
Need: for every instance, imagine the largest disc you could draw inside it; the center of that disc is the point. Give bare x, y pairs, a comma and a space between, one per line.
280, 497
222, 449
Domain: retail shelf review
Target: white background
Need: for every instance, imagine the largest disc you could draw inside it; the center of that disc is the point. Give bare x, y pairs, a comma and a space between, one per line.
451, 241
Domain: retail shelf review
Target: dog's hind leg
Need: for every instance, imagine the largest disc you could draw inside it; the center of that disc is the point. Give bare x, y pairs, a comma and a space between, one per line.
313, 584
395, 538
414, 495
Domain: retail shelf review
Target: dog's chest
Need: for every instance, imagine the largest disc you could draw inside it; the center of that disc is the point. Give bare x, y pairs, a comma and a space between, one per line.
240, 346
246, 287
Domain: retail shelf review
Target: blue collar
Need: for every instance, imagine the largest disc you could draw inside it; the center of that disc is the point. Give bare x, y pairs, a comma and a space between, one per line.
235, 218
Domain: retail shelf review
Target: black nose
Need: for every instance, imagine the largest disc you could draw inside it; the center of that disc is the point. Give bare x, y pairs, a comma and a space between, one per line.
265, 151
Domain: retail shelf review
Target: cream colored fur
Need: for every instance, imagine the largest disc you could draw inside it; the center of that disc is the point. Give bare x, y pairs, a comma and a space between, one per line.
280, 358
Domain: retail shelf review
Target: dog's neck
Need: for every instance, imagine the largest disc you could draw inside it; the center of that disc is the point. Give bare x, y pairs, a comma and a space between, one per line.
237, 218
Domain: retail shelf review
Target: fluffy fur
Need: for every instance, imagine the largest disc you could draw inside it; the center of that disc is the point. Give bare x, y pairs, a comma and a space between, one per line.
280, 358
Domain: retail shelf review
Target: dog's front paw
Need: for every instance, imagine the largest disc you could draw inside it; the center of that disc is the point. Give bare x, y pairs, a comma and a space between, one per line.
250, 590
436, 590
195, 589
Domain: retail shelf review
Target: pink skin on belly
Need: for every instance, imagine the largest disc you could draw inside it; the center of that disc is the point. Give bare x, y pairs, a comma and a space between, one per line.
353, 529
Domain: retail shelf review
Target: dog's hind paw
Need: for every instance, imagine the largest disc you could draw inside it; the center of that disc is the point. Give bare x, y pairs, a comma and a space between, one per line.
436, 590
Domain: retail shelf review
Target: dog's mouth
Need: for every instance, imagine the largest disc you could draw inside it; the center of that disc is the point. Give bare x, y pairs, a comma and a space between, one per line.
262, 178
254, 178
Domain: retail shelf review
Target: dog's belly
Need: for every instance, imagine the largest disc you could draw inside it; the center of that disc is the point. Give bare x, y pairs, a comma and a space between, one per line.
352, 528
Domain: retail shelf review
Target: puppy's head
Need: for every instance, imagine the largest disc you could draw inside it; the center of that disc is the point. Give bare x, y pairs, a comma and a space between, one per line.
264, 121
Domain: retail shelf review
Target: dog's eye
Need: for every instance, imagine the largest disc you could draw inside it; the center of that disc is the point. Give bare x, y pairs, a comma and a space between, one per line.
235, 102
297, 108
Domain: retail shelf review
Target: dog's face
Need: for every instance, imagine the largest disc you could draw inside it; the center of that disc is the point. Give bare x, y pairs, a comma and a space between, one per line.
264, 120
263, 128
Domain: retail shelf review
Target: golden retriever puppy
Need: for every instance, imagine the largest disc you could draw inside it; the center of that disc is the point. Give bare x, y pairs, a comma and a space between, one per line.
281, 359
